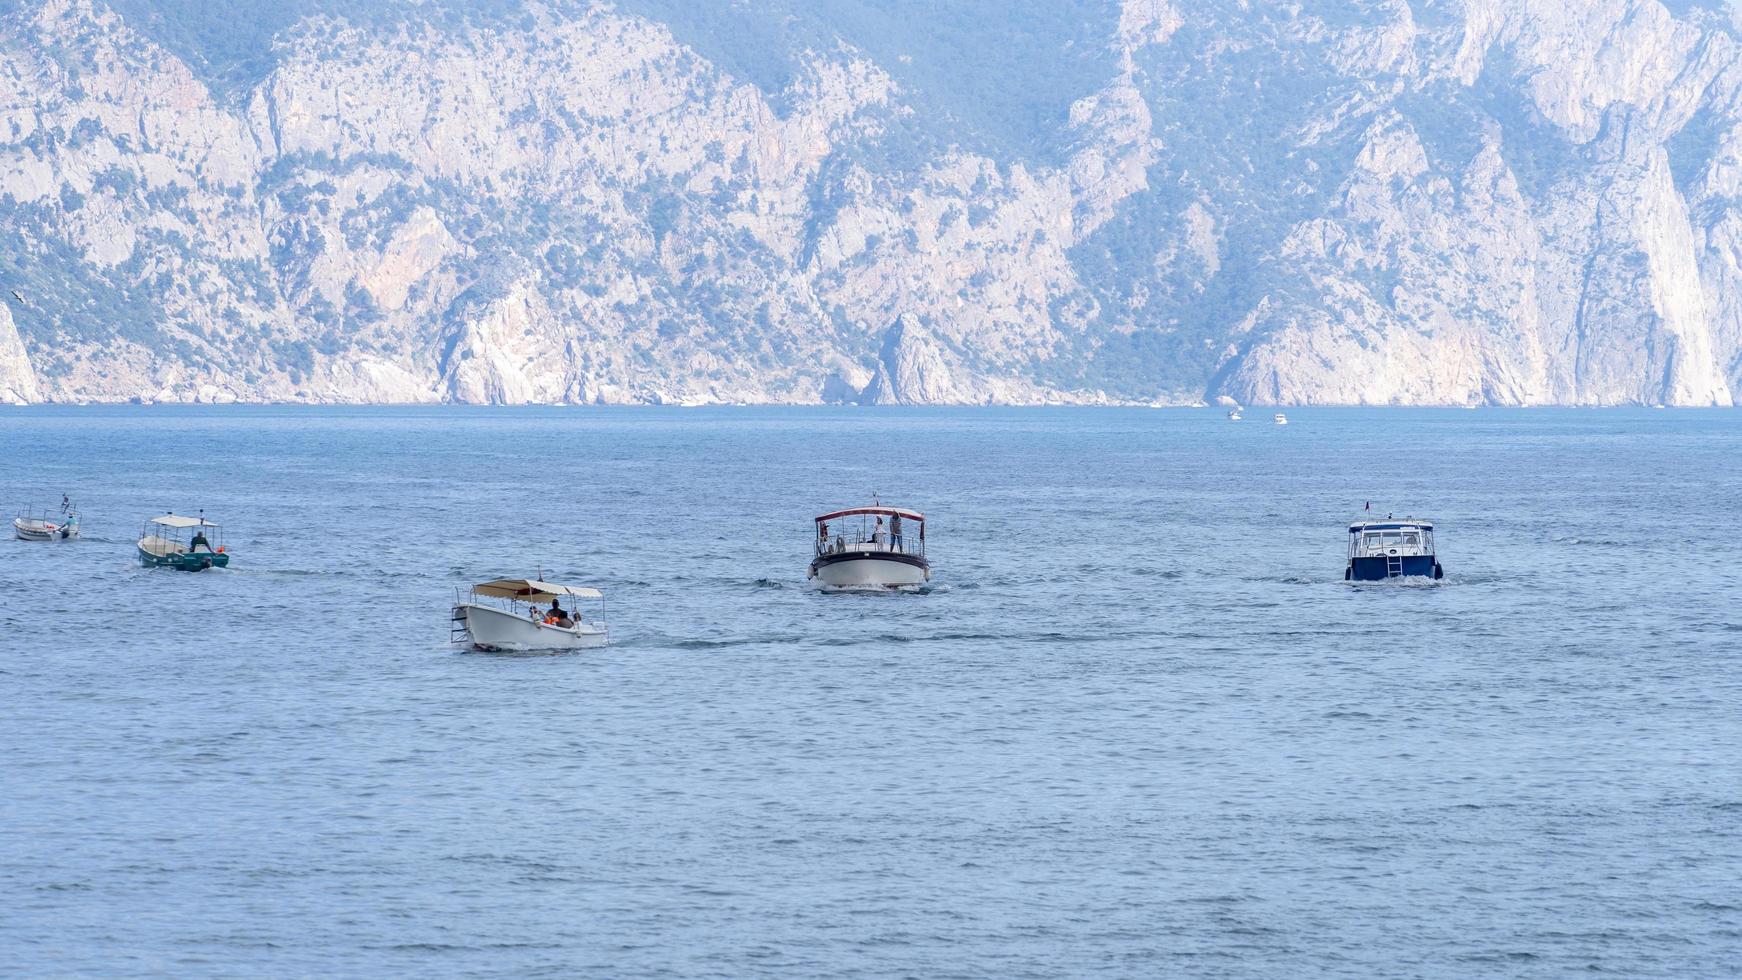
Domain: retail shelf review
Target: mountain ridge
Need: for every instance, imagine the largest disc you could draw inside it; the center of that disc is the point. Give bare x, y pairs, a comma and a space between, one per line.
1346, 202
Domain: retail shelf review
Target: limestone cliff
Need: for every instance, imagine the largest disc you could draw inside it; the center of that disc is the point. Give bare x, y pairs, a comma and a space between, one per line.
911, 370
1346, 201
17, 377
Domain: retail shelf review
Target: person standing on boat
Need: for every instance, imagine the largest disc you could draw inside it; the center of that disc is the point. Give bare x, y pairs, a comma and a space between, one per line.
880, 537
199, 541
895, 531
822, 537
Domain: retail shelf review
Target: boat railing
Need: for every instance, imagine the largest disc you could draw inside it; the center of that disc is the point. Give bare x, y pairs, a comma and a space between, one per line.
899, 544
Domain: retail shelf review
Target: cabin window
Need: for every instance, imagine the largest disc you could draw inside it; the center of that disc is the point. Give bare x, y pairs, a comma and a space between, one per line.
1412, 539
1372, 540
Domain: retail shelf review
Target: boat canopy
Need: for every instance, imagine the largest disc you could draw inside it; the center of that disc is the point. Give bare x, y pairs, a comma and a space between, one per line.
912, 515
171, 520
532, 591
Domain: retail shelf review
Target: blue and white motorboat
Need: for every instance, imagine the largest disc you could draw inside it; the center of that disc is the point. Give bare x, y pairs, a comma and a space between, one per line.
1380, 550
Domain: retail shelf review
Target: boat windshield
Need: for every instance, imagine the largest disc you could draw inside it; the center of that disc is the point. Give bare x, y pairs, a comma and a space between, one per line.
1385, 541
1381, 539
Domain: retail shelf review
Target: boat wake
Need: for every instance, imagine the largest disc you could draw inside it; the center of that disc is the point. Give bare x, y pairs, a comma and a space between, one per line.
873, 589
743, 641
1577, 541
1401, 582
467, 650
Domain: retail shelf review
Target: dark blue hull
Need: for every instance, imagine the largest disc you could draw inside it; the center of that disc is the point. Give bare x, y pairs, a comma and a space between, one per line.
1380, 569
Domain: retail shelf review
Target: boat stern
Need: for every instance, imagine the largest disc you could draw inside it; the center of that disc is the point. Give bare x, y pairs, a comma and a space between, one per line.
1388, 549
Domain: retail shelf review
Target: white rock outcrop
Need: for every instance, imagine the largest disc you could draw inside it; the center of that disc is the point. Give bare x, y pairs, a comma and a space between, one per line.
912, 370
17, 378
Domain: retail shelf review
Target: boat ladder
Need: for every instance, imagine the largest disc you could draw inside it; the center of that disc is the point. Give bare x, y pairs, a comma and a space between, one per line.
1393, 566
457, 631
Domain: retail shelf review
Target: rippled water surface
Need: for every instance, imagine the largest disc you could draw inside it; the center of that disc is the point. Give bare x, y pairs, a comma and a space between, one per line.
1139, 725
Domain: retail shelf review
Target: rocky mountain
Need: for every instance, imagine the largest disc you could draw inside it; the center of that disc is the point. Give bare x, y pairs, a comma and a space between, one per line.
1324, 201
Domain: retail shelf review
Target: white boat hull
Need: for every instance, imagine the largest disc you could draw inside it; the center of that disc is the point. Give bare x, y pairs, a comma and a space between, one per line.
870, 572
492, 630
29, 530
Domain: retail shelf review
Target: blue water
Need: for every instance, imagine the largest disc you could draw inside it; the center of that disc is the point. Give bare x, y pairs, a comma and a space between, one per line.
1139, 726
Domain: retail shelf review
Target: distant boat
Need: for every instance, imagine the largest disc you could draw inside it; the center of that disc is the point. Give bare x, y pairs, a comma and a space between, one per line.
1380, 550
1234, 415
46, 528
504, 626
188, 544
1280, 419
889, 554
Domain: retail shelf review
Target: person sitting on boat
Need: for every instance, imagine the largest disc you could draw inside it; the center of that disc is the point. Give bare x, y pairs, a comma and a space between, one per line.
536, 616
199, 542
558, 616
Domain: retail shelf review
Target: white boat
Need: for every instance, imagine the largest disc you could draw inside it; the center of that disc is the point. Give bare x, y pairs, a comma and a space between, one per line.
516, 615
1280, 419
855, 553
1234, 415
45, 528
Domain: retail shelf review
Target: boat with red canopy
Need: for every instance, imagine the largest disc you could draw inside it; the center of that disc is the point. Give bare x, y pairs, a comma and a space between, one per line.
874, 547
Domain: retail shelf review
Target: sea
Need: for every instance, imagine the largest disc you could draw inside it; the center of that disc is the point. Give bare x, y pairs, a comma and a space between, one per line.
1137, 724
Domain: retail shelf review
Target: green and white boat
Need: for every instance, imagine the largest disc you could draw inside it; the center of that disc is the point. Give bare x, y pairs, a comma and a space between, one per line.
189, 544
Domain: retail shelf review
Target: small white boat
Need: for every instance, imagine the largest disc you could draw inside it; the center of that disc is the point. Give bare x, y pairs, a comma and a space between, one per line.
1234, 415
1280, 419
45, 528
526, 615
854, 553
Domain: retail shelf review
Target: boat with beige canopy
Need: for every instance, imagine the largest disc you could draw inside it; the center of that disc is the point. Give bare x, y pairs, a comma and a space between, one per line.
519, 614
189, 544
